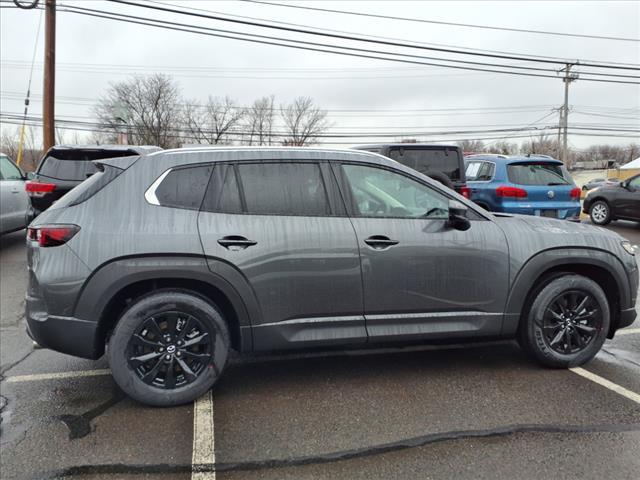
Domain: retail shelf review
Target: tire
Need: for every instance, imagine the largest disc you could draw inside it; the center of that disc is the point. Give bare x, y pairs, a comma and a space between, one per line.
204, 349
600, 212
440, 177
540, 328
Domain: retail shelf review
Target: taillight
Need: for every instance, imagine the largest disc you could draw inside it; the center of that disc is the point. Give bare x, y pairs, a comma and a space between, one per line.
575, 193
510, 192
52, 235
465, 192
38, 189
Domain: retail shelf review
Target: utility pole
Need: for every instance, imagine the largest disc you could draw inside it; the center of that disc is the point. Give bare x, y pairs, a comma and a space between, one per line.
49, 90
567, 79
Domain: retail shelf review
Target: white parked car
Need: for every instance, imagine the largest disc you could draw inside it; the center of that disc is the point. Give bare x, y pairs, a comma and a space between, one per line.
14, 201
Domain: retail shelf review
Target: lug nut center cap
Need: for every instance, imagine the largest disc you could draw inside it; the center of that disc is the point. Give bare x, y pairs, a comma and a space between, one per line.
171, 349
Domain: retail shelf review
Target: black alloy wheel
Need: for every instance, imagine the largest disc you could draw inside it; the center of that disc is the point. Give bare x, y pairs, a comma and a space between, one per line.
571, 322
170, 349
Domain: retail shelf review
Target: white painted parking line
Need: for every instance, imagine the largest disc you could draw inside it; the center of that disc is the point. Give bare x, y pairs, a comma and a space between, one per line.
628, 331
607, 384
58, 375
204, 452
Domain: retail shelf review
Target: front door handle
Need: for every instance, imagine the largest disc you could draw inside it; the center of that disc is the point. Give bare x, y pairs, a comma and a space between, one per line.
236, 242
380, 242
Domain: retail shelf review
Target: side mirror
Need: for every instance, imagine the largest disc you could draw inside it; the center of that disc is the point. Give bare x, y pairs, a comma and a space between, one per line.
458, 216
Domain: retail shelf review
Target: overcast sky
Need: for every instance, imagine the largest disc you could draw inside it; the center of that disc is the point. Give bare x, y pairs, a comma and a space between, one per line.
93, 52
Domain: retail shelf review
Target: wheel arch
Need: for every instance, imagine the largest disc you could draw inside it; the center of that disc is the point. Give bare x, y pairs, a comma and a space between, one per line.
113, 286
598, 265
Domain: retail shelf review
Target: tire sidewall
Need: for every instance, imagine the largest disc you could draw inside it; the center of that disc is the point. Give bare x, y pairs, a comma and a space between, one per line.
537, 345
155, 304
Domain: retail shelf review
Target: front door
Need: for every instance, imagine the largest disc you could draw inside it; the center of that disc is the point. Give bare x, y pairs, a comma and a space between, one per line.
627, 200
279, 225
422, 278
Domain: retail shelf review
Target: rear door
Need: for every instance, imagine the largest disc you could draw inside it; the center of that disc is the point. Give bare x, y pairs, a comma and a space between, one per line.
280, 225
14, 201
627, 200
421, 278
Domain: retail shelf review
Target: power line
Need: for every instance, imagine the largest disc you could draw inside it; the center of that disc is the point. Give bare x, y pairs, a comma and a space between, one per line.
391, 38
296, 45
437, 22
307, 31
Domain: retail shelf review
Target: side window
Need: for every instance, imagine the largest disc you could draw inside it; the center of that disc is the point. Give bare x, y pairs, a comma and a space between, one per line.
635, 183
8, 171
284, 189
223, 194
382, 193
486, 171
184, 187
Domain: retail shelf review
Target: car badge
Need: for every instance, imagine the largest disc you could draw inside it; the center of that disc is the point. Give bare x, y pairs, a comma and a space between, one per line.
550, 194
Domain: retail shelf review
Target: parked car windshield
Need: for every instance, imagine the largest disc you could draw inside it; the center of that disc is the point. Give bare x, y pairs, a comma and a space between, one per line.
536, 174
425, 159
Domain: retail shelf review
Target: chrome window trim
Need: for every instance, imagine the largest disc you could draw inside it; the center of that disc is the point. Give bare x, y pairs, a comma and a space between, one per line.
150, 194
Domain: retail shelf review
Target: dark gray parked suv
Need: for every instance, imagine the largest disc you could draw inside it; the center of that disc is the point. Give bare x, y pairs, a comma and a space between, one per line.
170, 260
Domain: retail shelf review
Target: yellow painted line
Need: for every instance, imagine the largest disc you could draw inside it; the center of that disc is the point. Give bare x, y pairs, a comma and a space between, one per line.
614, 387
627, 331
204, 452
58, 375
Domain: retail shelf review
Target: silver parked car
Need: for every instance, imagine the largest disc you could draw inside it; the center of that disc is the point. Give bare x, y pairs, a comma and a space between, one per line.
14, 201
175, 258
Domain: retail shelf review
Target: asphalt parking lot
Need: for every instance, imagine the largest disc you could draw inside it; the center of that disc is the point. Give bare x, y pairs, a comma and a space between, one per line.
473, 411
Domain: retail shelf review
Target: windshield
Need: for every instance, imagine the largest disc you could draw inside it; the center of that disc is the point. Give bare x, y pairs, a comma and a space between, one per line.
536, 174
444, 160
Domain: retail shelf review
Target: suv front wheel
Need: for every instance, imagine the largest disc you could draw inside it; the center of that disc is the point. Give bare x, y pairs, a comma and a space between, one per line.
168, 348
567, 323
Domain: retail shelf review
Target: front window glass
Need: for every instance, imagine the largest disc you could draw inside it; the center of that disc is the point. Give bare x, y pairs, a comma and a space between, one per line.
284, 189
536, 174
382, 193
8, 171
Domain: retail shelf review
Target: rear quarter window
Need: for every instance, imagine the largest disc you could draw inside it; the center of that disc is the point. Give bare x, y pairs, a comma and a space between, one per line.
184, 187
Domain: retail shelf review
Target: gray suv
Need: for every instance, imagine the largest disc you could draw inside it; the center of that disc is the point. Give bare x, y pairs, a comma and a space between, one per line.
169, 261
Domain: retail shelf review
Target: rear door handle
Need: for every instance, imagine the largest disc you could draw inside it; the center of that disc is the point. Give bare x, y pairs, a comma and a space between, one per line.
380, 242
236, 242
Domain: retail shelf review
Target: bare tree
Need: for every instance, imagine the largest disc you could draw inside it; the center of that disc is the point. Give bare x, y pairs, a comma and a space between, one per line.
472, 146
303, 121
503, 147
214, 122
542, 144
31, 149
258, 121
148, 107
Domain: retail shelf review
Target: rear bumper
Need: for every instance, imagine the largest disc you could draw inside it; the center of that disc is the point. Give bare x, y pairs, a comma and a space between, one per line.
64, 334
563, 212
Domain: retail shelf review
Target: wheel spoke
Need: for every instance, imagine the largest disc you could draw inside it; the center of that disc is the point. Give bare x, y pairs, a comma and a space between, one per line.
555, 315
143, 342
195, 340
170, 377
154, 327
146, 357
199, 357
585, 328
150, 376
187, 327
561, 302
190, 376
585, 316
569, 344
582, 305
558, 337
576, 335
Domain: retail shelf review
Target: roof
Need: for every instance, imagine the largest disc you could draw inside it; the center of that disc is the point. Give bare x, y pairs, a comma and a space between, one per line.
632, 164
140, 149
404, 145
512, 158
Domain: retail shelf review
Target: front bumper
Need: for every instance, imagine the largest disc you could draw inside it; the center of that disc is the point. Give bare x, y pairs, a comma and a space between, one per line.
64, 334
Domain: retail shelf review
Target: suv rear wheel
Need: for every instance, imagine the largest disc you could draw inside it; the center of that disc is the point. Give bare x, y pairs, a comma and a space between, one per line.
567, 323
600, 212
168, 348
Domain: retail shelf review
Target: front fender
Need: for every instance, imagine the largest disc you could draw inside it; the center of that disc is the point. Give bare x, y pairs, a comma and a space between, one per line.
550, 259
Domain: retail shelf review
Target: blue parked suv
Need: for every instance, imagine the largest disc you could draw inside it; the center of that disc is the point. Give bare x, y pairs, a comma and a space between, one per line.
529, 185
